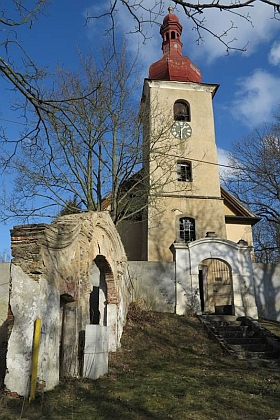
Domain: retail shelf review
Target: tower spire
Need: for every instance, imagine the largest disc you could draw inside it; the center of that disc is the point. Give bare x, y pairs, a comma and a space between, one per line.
173, 65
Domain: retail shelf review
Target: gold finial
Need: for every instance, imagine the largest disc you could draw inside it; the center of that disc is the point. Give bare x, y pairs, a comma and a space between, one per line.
170, 9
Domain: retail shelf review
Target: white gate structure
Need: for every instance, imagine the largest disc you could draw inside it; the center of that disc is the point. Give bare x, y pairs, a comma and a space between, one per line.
237, 256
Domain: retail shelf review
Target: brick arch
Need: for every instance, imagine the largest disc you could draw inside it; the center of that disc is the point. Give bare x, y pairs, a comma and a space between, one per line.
105, 268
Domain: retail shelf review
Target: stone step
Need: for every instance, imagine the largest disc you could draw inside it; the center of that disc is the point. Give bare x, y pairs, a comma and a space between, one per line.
244, 338
238, 334
266, 363
251, 347
231, 328
220, 318
268, 355
246, 341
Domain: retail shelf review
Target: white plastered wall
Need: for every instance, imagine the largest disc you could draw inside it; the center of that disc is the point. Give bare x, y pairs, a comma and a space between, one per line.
237, 256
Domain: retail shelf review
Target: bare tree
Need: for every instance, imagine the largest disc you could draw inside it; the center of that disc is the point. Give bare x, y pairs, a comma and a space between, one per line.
89, 156
143, 12
255, 180
16, 66
267, 242
5, 255
22, 74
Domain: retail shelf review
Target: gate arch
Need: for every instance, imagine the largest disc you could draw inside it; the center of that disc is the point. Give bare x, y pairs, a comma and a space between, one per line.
188, 258
215, 286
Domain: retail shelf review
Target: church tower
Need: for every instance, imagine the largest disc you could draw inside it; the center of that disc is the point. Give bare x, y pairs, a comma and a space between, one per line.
181, 165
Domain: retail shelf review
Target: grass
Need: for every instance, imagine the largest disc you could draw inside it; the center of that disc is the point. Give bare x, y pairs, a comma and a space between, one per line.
166, 369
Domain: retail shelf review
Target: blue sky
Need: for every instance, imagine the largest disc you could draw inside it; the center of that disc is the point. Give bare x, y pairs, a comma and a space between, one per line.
249, 92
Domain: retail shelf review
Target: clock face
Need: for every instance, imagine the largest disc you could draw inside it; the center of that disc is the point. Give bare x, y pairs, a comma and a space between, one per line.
181, 130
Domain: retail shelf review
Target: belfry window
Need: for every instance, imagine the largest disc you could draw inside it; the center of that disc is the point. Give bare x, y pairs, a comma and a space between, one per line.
184, 171
187, 229
182, 111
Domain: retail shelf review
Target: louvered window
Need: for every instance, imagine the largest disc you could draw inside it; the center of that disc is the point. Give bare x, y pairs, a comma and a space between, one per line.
182, 111
184, 171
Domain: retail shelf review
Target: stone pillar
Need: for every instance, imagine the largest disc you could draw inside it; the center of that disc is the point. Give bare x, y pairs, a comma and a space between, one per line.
112, 323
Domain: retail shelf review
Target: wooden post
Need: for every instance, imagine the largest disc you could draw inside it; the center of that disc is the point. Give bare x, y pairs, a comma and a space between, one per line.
35, 356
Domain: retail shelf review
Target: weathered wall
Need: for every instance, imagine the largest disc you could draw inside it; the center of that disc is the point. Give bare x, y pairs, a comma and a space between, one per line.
154, 284
5, 322
51, 280
267, 286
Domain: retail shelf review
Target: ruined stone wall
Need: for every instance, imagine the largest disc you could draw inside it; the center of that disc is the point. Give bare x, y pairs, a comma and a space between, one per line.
5, 318
50, 280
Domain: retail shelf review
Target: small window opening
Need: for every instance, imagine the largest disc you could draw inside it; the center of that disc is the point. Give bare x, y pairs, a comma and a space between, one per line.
187, 229
172, 35
184, 171
181, 111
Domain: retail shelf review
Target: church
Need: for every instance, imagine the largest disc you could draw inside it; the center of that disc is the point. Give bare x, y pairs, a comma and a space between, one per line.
189, 218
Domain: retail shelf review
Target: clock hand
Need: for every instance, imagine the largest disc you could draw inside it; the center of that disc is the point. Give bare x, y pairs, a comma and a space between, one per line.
181, 131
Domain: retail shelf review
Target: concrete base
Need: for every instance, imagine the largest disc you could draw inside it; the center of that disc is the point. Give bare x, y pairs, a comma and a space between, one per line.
95, 351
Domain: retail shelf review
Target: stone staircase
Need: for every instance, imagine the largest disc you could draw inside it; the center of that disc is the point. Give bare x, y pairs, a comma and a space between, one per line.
245, 339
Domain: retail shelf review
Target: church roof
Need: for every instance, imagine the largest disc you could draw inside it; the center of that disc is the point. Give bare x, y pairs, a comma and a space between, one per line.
173, 65
238, 213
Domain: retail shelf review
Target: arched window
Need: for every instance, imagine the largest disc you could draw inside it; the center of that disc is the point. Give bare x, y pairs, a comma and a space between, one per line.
187, 229
172, 35
182, 111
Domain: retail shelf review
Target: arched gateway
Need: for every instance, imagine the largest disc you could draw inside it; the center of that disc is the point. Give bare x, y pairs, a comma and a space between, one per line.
215, 286
214, 275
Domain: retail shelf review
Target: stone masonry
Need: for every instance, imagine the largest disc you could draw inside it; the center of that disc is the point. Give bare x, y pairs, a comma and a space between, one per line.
51, 280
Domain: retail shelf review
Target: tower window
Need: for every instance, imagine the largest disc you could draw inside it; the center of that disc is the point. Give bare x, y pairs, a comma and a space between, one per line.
182, 111
187, 229
184, 171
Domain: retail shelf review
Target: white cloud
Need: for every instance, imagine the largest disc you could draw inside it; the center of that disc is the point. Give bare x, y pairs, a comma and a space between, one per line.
148, 44
257, 97
263, 29
223, 160
274, 54
243, 34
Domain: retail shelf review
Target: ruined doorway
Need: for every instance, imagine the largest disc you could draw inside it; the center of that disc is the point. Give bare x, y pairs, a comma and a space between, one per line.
68, 321
215, 284
96, 345
98, 295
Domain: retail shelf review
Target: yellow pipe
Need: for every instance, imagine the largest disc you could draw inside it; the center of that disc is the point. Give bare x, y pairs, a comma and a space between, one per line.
35, 357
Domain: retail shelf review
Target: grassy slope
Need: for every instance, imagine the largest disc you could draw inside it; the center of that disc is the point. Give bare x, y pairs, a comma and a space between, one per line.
166, 369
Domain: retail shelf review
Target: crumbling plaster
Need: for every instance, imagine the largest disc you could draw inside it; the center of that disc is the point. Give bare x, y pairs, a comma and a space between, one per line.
54, 260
